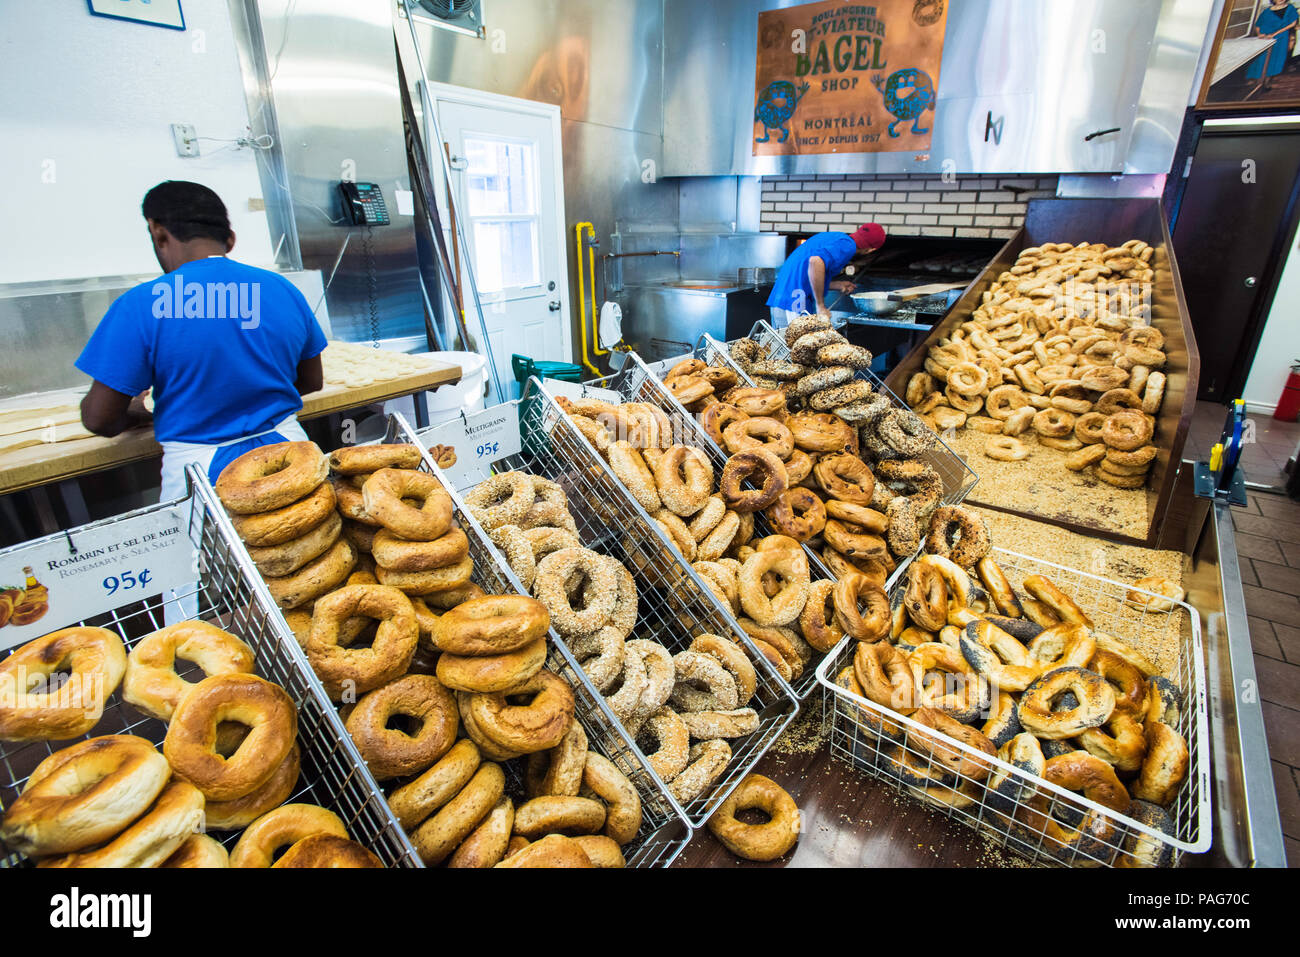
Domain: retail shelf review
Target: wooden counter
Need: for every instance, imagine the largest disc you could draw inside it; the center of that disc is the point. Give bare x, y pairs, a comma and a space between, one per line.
54, 462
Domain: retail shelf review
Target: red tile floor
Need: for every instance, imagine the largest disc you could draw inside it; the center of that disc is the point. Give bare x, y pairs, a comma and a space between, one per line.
1268, 548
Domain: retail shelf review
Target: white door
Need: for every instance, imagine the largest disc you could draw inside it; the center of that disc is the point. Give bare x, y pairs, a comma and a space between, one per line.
509, 191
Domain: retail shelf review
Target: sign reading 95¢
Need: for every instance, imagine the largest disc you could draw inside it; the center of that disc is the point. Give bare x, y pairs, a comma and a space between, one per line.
479, 439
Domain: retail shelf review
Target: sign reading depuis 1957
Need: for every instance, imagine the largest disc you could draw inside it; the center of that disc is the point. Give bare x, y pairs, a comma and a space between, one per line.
839, 77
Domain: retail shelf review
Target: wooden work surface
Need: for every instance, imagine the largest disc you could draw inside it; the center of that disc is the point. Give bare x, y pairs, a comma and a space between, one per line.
54, 462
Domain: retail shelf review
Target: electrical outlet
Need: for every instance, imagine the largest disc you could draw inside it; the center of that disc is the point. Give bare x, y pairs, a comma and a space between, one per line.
187, 141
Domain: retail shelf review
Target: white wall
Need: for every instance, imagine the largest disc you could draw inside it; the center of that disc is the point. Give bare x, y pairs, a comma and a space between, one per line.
85, 131
1280, 344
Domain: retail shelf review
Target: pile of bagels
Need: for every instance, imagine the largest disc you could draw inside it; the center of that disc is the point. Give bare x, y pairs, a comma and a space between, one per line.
682, 709
821, 373
855, 491
1030, 680
1060, 350
230, 758
440, 683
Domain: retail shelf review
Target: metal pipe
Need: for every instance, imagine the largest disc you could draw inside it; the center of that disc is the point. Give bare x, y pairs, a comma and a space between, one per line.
583, 270
430, 117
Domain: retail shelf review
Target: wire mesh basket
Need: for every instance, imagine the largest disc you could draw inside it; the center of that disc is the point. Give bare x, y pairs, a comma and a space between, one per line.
1047, 824
230, 594
674, 604
636, 382
664, 831
958, 477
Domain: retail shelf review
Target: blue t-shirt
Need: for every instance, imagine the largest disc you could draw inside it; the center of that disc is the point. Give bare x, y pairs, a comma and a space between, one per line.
834, 249
220, 343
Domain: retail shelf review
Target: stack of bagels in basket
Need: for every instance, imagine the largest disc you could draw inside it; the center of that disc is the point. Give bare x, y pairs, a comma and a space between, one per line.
116, 801
1060, 354
683, 708
441, 684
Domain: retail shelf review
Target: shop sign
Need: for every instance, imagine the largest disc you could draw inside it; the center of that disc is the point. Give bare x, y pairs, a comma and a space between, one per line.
57, 582
837, 77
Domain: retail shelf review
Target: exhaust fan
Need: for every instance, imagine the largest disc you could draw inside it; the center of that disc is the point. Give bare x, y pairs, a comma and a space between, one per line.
462, 16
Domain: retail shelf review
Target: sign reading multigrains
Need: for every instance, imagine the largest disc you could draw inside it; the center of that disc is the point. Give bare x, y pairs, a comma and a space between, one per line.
840, 77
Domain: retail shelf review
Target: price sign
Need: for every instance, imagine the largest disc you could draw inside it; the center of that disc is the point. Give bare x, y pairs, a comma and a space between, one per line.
58, 581
577, 390
479, 440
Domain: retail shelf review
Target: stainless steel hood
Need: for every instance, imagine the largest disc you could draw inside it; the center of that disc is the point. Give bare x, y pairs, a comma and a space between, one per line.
1052, 73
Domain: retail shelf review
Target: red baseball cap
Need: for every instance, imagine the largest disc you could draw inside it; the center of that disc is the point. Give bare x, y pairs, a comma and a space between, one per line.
869, 236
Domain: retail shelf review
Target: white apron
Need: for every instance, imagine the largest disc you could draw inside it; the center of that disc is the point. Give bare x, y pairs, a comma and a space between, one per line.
177, 455
182, 604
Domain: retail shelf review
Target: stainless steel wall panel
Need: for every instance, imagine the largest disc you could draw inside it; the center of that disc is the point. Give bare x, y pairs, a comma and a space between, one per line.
333, 77
1172, 73
1054, 71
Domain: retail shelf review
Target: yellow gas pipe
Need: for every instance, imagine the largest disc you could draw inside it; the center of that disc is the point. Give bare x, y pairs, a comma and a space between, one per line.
582, 295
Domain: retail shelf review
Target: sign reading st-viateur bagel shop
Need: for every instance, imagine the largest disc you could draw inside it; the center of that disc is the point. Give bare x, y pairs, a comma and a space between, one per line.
839, 77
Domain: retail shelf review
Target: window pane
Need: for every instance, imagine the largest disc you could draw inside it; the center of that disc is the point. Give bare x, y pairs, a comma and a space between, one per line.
499, 177
505, 255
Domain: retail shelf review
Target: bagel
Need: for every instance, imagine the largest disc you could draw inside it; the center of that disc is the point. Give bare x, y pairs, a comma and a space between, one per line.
388, 493
318, 576
757, 842
1096, 701
327, 850
390, 751
150, 839
84, 794
537, 725
358, 670
285, 524
271, 476
96, 661
764, 469
280, 829
418, 799
491, 625
190, 744
151, 683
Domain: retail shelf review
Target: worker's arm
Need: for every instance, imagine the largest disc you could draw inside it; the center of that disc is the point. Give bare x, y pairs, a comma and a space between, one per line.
817, 279
311, 376
108, 412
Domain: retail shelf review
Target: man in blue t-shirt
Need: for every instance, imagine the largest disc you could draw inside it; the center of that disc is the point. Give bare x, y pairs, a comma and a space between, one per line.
802, 283
228, 349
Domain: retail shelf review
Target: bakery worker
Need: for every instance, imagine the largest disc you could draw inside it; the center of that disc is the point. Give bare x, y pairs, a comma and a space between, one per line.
802, 283
228, 349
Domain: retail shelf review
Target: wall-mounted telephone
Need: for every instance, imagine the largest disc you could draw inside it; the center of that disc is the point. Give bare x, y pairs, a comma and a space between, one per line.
363, 204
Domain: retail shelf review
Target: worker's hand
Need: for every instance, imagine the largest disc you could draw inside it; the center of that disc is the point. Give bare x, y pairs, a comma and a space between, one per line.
844, 286
824, 312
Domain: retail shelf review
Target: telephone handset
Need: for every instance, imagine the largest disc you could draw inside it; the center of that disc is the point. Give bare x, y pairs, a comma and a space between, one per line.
363, 204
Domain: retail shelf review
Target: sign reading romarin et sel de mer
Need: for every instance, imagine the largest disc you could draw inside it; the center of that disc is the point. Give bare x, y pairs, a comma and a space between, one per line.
839, 77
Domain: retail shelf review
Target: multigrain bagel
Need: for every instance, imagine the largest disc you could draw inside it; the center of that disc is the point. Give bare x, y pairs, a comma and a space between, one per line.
391, 752
361, 669
84, 794
536, 725
284, 524
417, 799
363, 459
387, 493
314, 579
403, 555
190, 744
271, 477
288, 557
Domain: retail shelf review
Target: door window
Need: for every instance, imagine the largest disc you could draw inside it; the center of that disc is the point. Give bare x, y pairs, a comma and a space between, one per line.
502, 207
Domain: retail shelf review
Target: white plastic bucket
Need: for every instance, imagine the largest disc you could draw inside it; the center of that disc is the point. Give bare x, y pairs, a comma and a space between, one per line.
448, 401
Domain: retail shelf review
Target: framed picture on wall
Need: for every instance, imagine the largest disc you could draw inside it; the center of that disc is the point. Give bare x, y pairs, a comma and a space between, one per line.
158, 13
1255, 62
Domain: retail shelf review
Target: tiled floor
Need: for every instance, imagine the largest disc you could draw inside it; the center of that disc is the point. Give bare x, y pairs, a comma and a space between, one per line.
1268, 548
1263, 459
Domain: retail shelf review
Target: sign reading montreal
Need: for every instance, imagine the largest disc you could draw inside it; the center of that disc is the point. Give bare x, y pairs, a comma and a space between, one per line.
847, 78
